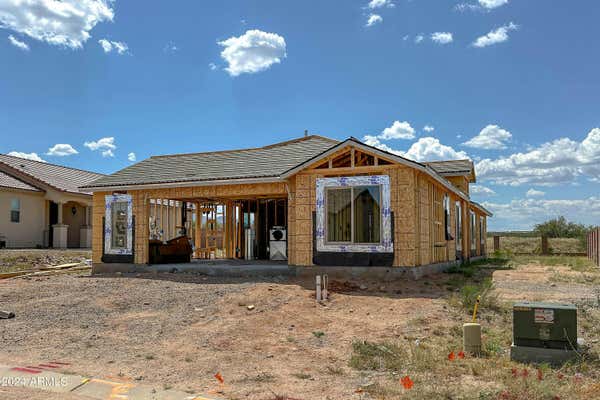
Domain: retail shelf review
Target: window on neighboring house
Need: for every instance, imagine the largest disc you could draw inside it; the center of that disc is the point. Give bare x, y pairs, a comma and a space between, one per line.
458, 227
15, 210
354, 214
447, 217
473, 231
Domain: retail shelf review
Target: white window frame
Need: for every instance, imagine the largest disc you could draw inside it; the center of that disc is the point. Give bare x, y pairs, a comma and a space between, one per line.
328, 189
472, 223
109, 201
386, 243
447, 215
481, 236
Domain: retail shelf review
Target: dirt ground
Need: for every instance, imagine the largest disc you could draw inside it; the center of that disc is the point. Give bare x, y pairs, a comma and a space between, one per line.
17, 259
178, 330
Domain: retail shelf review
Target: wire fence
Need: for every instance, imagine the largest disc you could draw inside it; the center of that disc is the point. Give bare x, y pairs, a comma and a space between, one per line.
536, 245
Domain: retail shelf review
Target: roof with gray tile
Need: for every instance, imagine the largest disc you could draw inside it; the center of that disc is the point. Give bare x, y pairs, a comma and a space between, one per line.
7, 181
262, 162
56, 176
452, 167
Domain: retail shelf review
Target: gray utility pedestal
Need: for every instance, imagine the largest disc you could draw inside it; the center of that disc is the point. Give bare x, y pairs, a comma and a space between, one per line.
541, 355
544, 332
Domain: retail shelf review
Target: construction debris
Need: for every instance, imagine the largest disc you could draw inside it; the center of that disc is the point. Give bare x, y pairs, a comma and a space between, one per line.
46, 270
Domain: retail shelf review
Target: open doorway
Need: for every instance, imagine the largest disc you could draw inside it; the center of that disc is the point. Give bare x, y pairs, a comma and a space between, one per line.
52, 220
265, 222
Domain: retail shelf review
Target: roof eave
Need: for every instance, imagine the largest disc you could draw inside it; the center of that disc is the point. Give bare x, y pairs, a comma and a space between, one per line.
482, 208
158, 185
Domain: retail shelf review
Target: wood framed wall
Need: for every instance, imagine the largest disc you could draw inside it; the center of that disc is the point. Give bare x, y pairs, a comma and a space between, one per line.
416, 204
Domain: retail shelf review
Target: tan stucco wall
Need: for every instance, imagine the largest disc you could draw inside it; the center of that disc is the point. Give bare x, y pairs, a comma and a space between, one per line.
29, 232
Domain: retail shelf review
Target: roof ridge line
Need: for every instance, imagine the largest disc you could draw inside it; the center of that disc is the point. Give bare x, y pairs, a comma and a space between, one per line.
269, 146
53, 164
441, 161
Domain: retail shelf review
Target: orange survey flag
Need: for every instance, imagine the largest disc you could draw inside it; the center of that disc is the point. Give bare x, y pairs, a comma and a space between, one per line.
219, 377
407, 382
451, 356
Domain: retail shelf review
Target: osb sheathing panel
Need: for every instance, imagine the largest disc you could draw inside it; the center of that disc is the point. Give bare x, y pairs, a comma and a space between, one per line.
303, 187
460, 182
97, 227
304, 205
424, 219
291, 223
403, 200
411, 202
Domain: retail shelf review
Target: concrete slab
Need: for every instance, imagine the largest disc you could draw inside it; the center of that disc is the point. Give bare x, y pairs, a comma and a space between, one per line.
44, 380
102, 389
540, 355
226, 270
94, 388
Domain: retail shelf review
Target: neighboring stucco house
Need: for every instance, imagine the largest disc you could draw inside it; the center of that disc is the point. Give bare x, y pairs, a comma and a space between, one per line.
41, 204
333, 203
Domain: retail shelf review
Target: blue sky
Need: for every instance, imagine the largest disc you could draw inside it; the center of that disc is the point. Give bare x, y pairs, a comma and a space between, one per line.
511, 84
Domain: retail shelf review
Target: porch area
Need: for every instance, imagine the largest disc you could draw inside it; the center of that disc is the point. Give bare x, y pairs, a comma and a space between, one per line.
234, 232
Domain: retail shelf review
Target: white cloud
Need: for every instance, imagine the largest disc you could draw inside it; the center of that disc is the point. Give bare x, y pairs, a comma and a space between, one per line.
106, 145
64, 23
553, 163
212, 66
131, 156
375, 142
483, 5
419, 38
171, 48
61, 150
424, 149
28, 156
374, 19
482, 191
108, 46
498, 35
525, 213
442, 37
489, 4
431, 149
252, 52
490, 137
17, 43
535, 193
428, 128
380, 3
398, 130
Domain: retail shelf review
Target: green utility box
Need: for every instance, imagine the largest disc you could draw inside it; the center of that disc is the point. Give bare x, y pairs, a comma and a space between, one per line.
544, 332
